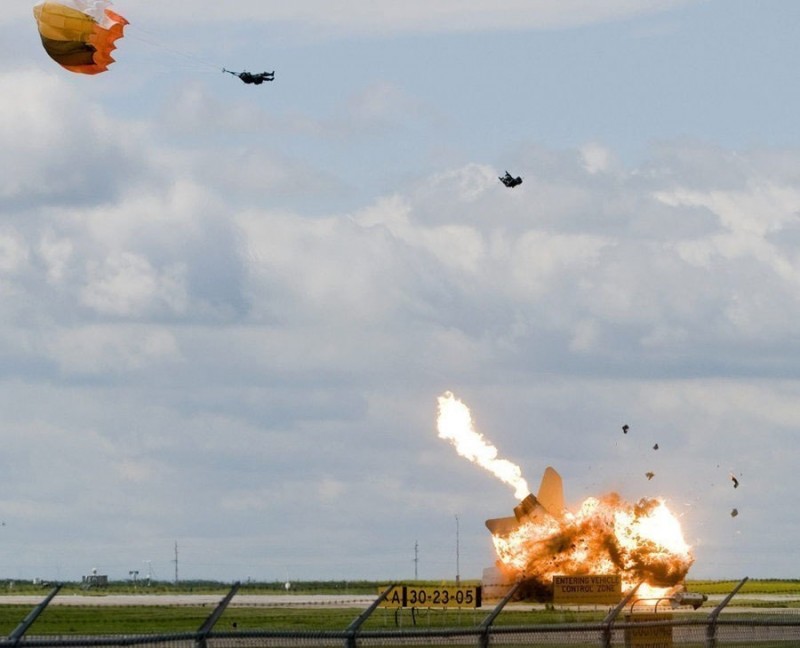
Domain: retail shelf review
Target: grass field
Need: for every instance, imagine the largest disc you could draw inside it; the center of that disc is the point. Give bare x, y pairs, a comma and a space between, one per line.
754, 586
147, 619
61, 620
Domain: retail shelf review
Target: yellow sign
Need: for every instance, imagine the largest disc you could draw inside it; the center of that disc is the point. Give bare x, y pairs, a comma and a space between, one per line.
402, 596
648, 636
587, 590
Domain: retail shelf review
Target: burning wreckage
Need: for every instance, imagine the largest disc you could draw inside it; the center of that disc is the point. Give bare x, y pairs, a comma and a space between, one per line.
642, 542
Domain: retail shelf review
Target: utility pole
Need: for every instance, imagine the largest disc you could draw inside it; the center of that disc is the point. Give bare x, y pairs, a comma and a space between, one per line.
458, 567
416, 559
176, 562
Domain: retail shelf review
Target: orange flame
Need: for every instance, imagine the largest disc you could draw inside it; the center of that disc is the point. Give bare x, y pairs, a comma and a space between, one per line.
455, 424
642, 542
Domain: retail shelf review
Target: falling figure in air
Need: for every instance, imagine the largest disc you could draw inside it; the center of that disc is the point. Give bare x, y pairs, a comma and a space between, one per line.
625, 429
735, 481
510, 181
734, 512
249, 77
655, 447
649, 475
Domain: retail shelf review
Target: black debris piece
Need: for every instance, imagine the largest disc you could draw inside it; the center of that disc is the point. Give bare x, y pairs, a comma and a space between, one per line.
510, 181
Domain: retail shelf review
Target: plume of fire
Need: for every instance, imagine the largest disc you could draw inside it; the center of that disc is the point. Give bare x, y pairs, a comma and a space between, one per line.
455, 425
642, 542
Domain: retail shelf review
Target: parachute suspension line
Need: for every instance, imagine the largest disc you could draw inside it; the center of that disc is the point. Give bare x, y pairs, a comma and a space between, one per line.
154, 43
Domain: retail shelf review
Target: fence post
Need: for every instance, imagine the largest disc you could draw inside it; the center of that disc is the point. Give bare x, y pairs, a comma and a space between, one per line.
486, 624
27, 622
613, 614
355, 626
711, 628
208, 625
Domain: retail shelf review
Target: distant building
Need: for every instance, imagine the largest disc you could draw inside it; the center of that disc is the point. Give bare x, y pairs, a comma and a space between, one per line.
94, 580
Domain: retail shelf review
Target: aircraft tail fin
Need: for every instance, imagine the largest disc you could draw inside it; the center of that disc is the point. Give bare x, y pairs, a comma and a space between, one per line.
551, 492
550, 500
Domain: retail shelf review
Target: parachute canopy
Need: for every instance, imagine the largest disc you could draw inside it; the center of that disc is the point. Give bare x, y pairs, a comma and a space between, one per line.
79, 35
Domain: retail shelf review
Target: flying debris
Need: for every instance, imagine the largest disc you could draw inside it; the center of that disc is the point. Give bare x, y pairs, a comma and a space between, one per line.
655, 447
250, 78
79, 35
734, 512
682, 597
510, 181
649, 475
625, 429
735, 481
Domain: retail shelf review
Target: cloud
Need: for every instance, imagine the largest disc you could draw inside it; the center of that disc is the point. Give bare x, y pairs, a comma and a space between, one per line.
206, 326
384, 105
585, 250
359, 16
14, 253
128, 285
110, 350
597, 158
56, 146
636, 292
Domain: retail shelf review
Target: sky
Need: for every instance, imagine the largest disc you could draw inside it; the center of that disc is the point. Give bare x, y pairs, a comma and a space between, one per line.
227, 311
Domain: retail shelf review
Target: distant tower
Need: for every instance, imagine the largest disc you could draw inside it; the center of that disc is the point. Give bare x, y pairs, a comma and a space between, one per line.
458, 557
416, 559
176, 562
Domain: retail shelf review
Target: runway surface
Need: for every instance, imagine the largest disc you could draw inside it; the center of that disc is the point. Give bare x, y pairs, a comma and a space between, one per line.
202, 600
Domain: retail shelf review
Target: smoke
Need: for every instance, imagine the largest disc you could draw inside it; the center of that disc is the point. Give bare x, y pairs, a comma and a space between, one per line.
642, 542
455, 425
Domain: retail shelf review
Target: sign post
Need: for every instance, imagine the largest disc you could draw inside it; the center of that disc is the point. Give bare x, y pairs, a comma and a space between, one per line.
412, 596
648, 636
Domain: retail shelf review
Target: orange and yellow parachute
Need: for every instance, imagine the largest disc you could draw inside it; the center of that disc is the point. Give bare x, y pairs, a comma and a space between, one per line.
79, 34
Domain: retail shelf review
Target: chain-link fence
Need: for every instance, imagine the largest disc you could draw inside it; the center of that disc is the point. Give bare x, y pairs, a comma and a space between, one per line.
757, 632
374, 627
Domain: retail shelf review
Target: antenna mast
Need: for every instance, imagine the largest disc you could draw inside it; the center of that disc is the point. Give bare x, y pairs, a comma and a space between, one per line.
176, 562
458, 557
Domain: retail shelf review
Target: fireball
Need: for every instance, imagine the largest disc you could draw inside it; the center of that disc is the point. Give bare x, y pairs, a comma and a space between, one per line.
642, 542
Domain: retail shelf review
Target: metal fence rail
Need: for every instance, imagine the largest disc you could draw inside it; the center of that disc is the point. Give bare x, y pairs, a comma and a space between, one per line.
713, 630
767, 633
